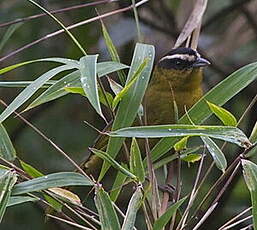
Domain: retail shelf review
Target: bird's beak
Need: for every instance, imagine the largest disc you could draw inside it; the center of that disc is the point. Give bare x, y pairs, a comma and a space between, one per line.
201, 62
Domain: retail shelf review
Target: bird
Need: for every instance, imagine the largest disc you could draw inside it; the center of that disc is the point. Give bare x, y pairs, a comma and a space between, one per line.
177, 77
175, 85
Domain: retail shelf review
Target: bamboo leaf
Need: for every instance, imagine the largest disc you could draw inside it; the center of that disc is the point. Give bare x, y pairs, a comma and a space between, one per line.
66, 61
14, 200
216, 153
165, 218
136, 163
117, 184
89, 82
225, 116
51, 181
7, 151
225, 133
7, 180
113, 52
129, 105
31, 89
112, 162
133, 206
134, 78
250, 176
107, 214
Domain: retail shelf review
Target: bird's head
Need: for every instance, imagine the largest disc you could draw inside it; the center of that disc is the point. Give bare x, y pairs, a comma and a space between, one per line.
182, 59
180, 64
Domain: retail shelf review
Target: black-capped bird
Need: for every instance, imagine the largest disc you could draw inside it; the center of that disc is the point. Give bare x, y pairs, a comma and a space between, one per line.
176, 77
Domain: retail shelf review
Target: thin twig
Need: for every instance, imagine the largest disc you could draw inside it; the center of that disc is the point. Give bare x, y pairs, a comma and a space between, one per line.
71, 27
68, 222
236, 223
49, 141
55, 12
206, 215
234, 218
192, 195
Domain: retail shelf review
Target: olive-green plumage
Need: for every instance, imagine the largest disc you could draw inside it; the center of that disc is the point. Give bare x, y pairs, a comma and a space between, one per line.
183, 87
176, 77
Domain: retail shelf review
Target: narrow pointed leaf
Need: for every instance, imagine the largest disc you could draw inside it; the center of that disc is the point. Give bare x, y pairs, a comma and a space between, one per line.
166, 217
108, 217
192, 158
8, 34
14, 200
113, 52
30, 170
50, 181
250, 176
23, 84
220, 94
7, 151
57, 90
226, 133
66, 61
134, 204
89, 82
60, 87
134, 78
112, 162
115, 87
225, 116
216, 153
7, 181
130, 103
253, 136
118, 184
31, 89
102, 97
136, 163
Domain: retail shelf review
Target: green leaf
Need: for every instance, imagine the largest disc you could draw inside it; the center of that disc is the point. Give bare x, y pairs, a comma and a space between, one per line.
250, 176
253, 136
30, 170
14, 200
225, 133
112, 162
113, 52
115, 87
165, 218
102, 99
192, 158
134, 78
60, 87
7, 150
133, 206
108, 217
7, 181
57, 90
8, 34
23, 84
136, 163
225, 116
70, 62
130, 103
180, 145
117, 184
220, 94
89, 81
31, 89
50, 181
216, 153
